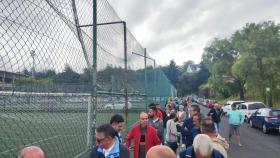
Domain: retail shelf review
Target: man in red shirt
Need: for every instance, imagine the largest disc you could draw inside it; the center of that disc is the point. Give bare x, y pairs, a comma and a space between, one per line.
159, 112
144, 135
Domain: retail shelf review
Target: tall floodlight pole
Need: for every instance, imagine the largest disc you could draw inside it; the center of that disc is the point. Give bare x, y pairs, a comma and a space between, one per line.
33, 54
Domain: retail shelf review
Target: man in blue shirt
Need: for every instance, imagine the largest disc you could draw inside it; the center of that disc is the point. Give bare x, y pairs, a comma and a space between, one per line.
108, 145
188, 125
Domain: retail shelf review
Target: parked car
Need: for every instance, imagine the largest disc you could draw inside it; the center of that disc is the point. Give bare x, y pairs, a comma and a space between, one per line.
266, 118
248, 108
228, 104
202, 101
117, 106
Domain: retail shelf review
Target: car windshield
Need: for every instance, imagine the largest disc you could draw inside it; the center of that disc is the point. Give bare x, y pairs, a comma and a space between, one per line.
275, 113
256, 106
236, 103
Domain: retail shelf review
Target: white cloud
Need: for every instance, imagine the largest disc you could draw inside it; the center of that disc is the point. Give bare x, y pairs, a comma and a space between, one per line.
180, 29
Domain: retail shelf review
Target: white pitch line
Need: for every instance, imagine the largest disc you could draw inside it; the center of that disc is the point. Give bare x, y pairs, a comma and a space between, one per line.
82, 153
13, 138
9, 116
6, 151
39, 121
71, 118
72, 135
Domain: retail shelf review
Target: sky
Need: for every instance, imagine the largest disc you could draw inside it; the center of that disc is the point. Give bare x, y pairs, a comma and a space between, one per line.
180, 29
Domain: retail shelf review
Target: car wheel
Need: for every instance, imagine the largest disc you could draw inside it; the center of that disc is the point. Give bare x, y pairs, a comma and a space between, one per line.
264, 129
251, 124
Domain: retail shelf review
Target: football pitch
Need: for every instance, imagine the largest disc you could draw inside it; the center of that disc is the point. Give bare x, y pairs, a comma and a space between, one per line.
59, 134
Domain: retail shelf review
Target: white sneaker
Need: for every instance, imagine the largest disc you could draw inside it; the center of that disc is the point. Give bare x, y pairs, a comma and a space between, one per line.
240, 144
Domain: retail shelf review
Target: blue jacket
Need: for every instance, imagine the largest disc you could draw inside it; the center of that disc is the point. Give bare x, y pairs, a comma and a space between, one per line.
189, 153
186, 131
195, 131
118, 151
187, 126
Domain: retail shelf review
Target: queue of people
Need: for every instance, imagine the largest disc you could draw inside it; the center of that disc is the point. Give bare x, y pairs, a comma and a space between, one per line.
159, 134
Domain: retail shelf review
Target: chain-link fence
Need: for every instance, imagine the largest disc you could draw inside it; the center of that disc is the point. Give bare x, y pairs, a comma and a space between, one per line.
48, 93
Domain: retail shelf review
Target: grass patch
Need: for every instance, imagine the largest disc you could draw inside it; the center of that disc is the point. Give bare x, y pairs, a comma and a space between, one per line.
60, 135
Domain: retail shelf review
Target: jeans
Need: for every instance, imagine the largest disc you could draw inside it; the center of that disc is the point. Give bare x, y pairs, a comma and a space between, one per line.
173, 146
217, 127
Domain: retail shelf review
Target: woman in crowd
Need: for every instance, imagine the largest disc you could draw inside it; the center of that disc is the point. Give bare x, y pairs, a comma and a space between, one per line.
181, 117
171, 132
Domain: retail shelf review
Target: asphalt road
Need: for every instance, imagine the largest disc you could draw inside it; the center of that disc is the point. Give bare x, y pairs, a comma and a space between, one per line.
255, 143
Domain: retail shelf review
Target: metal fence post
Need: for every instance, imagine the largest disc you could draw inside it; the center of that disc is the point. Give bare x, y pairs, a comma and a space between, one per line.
125, 77
145, 60
94, 69
154, 87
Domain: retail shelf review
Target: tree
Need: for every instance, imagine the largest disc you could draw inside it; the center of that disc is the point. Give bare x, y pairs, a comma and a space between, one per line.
68, 76
29, 81
189, 83
172, 72
186, 65
261, 41
45, 74
86, 77
248, 58
244, 69
26, 72
219, 57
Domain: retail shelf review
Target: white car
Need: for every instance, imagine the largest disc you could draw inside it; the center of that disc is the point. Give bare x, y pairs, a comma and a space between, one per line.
228, 105
117, 106
248, 108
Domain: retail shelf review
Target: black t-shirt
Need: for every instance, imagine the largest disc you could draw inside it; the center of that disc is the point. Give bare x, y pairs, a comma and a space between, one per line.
214, 115
142, 138
142, 147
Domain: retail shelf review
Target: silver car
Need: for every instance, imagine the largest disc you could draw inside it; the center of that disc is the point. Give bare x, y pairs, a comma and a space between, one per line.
117, 106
